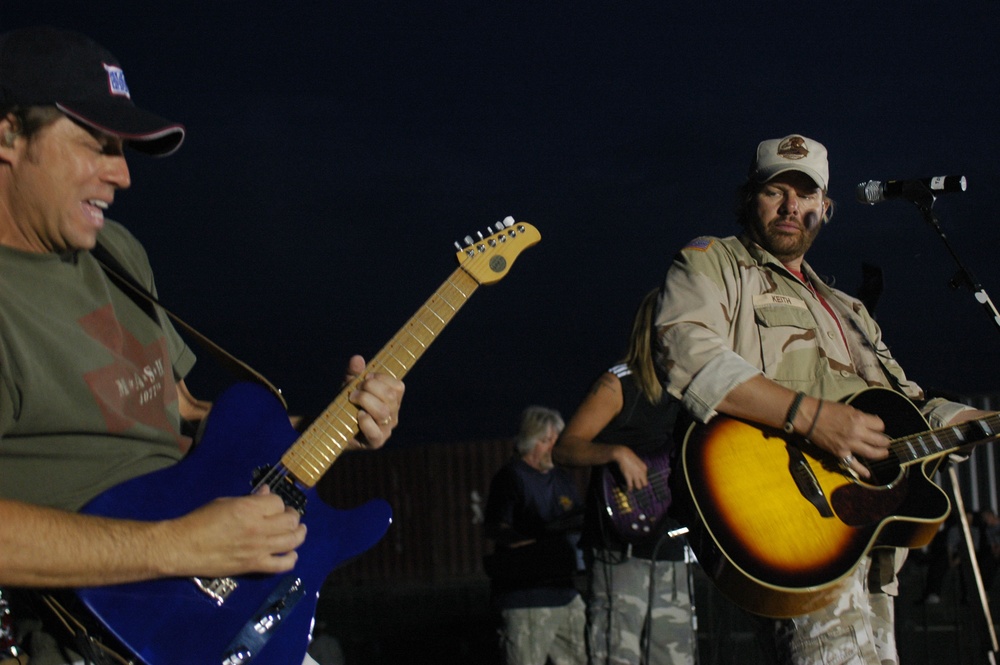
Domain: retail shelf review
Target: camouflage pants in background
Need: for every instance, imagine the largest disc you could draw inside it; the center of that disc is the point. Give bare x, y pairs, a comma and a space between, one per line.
856, 630
532, 634
618, 606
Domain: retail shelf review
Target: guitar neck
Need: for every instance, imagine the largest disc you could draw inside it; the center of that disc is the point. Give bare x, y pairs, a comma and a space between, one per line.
328, 436
945, 440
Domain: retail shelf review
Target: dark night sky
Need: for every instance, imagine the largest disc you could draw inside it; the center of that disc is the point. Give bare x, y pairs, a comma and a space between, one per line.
336, 150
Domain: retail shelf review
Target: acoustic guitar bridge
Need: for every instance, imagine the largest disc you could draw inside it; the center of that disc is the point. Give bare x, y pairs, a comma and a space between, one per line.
806, 480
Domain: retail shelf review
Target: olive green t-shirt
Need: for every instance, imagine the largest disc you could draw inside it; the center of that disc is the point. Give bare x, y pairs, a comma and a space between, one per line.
87, 378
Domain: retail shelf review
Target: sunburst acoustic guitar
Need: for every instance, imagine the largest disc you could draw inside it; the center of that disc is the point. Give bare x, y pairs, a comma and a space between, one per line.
779, 526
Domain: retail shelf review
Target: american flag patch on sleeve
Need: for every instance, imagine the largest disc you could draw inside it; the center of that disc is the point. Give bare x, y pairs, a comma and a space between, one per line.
701, 244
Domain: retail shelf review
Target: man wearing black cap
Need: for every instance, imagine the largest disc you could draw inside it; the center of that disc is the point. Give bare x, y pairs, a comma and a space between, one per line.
92, 386
749, 330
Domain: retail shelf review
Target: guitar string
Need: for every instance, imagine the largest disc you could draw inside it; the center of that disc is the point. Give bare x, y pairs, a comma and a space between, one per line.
918, 446
657, 477
658, 486
320, 461
432, 317
442, 309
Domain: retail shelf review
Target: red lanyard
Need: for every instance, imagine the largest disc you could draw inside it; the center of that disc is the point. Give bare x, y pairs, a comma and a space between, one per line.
808, 284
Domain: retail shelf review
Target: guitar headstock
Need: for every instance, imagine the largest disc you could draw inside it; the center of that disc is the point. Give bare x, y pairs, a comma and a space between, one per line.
488, 259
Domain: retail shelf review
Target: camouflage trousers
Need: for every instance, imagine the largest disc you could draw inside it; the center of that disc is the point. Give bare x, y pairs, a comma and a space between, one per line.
858, 629
532, 634
621, 625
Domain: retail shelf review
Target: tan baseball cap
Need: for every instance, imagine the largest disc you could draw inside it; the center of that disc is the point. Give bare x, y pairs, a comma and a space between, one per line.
792, 153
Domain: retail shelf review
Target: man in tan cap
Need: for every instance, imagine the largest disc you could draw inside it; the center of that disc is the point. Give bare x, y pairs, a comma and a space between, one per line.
747, 329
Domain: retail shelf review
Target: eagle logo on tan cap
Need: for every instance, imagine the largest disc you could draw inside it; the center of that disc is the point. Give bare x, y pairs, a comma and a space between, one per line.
794, 147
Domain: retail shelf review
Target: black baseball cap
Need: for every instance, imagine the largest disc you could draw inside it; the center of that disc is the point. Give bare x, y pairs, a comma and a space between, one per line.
45, 66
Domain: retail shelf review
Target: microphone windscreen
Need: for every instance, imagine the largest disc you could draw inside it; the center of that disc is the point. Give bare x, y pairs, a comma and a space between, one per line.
870, 192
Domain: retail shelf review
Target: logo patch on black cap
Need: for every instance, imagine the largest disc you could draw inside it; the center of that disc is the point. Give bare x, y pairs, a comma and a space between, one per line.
116, 81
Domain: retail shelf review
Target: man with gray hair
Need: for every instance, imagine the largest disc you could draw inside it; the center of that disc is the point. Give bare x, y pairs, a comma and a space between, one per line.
533, 514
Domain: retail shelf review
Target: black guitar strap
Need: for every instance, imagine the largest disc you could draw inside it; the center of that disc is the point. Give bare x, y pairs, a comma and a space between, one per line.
883, 560
896, 385
148, 303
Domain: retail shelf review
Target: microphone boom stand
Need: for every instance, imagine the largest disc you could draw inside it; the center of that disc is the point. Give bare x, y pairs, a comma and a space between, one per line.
922, 197
976, 574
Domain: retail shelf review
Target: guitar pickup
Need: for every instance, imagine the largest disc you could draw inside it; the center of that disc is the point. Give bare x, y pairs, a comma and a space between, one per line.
283, 486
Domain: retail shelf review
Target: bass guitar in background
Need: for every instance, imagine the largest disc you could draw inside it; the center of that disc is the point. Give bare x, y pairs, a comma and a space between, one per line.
638, 513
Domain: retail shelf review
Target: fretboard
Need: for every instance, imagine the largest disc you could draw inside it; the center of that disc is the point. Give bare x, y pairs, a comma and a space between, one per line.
945, 440
328, 436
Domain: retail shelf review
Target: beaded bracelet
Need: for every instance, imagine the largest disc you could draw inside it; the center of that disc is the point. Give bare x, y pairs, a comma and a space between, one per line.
812, 426
789, 426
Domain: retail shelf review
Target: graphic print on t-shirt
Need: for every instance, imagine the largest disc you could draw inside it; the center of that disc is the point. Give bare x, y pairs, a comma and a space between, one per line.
138, 384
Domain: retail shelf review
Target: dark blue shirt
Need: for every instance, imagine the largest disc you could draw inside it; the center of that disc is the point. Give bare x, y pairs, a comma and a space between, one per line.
540, 507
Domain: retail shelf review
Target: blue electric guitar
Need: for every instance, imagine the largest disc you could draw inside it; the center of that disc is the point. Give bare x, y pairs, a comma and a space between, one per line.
248, 443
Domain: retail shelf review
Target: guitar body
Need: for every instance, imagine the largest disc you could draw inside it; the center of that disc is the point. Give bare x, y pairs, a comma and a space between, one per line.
173, 620
638, 514
782, 548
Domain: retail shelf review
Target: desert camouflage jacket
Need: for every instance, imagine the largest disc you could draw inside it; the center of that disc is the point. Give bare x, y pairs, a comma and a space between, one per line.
731, 311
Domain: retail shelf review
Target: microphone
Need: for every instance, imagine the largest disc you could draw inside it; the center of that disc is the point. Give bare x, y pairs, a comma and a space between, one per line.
873, 191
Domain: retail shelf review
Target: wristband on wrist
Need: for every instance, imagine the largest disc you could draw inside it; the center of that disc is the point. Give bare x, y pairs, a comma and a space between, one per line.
789, 425
812, 426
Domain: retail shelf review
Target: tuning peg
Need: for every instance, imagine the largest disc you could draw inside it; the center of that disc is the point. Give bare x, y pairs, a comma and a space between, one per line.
468, 240
508, 222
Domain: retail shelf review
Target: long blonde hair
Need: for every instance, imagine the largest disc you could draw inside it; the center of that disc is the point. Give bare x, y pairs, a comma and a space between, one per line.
639, 356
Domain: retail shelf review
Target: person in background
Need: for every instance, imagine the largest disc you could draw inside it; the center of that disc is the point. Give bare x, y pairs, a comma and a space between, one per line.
639, 604
533, 514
